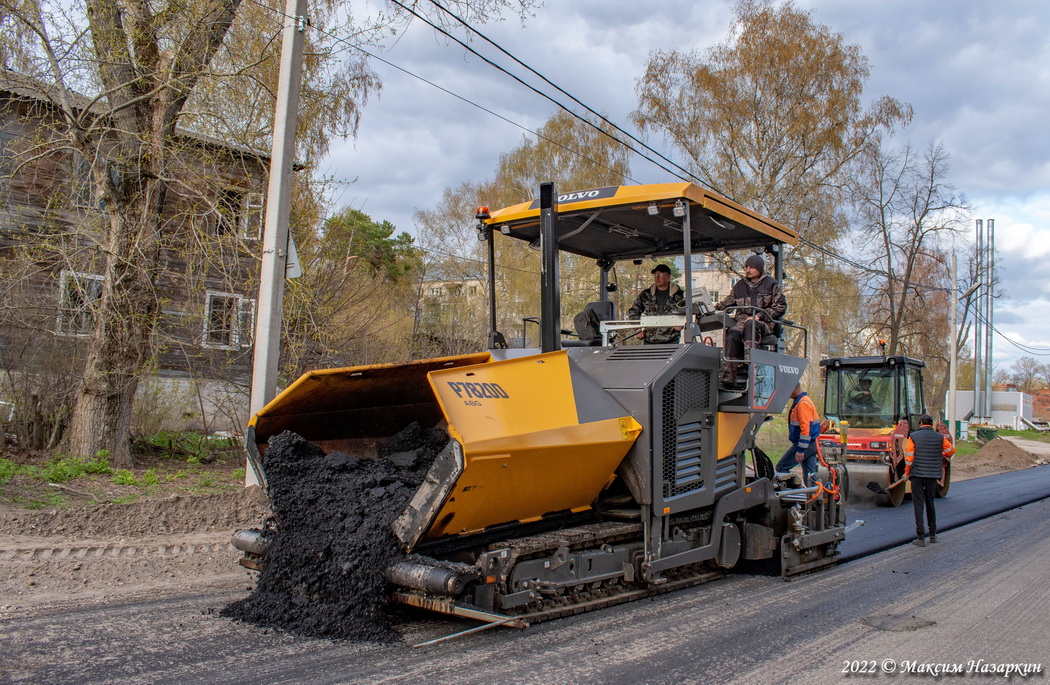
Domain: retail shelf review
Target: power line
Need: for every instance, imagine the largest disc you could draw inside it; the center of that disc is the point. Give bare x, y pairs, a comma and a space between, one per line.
685, 172
347, 42
1037, 351
572, 97
539, 92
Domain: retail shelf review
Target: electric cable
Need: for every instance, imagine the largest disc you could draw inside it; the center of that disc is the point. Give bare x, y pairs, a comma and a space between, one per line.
686, 175
541, 93
351, 45
572, 97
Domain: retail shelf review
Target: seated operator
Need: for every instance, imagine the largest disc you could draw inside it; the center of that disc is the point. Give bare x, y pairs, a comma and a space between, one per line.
663, 297
756, 289
862, 399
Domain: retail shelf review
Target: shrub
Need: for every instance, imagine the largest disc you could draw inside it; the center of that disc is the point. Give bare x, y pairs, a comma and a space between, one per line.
124, 477
7, 469
100, 464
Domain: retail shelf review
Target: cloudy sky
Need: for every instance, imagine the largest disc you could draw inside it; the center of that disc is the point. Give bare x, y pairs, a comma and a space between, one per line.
977, 74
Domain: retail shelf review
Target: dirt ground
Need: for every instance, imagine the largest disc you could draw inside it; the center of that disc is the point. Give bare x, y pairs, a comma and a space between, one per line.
93, 552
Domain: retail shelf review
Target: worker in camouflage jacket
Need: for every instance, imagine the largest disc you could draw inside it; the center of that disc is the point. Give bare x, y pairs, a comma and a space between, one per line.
755, 289
663, 297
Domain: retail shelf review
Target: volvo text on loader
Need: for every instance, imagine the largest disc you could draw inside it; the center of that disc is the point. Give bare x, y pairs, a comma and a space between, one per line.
583, 473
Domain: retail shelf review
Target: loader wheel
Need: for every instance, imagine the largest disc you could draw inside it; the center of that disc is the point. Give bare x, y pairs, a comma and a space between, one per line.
942, 490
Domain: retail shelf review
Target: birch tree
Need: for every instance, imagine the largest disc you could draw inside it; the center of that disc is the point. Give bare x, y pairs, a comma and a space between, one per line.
907, 215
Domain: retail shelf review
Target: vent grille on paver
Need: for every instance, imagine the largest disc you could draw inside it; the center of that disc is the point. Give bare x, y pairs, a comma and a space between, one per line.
636, 353
683, 442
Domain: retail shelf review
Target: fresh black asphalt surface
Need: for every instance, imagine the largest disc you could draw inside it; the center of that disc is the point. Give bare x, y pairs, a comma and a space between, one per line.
967, 501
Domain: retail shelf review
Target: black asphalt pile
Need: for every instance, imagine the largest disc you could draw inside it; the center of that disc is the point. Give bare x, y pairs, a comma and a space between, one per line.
324, 572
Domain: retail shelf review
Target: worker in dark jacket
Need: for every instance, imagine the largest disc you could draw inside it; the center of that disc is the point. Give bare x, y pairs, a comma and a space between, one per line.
803, 429
923, 464
755, 289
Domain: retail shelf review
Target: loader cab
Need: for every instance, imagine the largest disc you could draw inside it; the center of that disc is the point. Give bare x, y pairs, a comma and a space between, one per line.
873, 392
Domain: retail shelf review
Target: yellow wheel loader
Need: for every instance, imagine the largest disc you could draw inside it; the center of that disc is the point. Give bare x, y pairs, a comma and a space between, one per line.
584, 472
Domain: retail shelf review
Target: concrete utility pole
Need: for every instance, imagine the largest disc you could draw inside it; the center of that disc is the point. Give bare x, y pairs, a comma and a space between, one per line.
954, 361
989, 238
278, 208
978, 329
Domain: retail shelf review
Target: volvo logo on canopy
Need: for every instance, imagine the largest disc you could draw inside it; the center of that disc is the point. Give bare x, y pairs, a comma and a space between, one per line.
581, 195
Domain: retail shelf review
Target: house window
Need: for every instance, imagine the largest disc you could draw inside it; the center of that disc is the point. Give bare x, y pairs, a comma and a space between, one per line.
714, 296
84, 184
473, 290
229, 320
7, 153
240, 212
83, 191
252, 216
79, 294
435, 291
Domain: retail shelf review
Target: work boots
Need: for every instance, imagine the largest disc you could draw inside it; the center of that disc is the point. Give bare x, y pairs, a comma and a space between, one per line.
919, 542
729, 375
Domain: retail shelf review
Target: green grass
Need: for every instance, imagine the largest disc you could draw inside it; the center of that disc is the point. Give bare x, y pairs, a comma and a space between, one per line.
64, 469
58, 470
124, 477
964, 448
1027, 435
192, 447
7, 469
150, 478
52, 500
772, 436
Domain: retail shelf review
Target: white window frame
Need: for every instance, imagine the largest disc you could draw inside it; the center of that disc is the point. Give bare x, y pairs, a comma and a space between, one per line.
252, 216
81, 322
247, 221
242, 326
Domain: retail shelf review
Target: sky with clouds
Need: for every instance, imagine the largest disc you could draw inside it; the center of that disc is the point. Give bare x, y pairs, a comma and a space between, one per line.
977, 74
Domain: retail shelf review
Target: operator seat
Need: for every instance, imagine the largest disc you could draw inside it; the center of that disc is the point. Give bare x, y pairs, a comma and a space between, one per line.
587, 323
774, 341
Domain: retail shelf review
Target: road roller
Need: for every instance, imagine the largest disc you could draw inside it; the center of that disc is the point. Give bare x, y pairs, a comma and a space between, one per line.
875, 402
592, 469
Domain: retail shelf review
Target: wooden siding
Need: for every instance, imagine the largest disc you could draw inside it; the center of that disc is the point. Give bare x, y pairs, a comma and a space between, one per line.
45, 230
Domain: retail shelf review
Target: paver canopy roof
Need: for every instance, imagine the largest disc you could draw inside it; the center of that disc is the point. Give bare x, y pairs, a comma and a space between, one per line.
635, 222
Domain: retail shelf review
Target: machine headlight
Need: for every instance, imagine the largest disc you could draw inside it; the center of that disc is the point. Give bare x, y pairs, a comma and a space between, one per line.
879, 445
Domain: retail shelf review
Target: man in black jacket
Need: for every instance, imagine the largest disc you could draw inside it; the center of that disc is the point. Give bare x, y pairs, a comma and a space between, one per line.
923, 463
756, 289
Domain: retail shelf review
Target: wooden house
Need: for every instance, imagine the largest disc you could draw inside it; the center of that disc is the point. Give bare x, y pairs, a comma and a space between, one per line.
51, 251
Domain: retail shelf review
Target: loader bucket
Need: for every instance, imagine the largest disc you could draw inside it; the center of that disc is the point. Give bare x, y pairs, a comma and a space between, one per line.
355, 409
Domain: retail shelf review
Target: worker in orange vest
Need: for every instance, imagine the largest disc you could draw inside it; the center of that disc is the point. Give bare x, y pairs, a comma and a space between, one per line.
923, 463
803, 429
